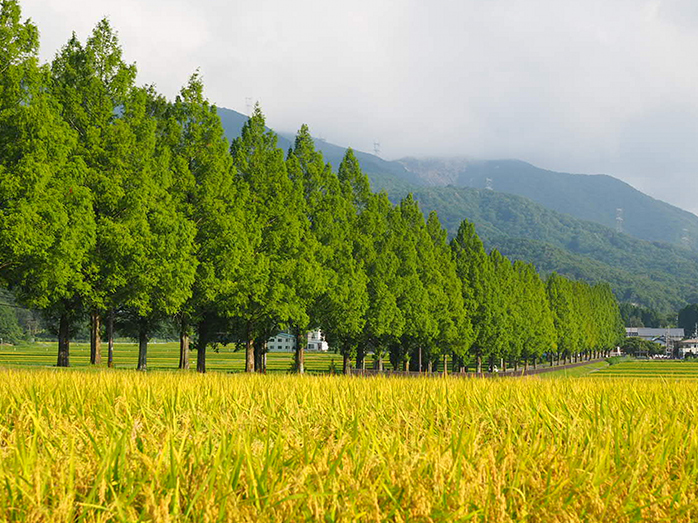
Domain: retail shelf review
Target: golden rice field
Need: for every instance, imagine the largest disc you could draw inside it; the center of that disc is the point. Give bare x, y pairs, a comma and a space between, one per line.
123, 446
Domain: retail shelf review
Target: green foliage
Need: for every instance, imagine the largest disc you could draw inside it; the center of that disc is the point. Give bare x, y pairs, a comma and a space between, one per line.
659, 276
688, 319
207, 191
638, 316
342, 304
114, 199
455, 330
47, 227
10, 331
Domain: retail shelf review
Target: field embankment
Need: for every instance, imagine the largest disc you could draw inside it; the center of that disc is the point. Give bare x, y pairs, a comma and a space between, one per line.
126, 445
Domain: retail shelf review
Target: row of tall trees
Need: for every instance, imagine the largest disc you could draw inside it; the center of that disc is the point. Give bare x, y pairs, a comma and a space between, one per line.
127, 208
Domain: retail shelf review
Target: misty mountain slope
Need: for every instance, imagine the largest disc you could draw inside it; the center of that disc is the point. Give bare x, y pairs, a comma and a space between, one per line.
653, 273
589, 197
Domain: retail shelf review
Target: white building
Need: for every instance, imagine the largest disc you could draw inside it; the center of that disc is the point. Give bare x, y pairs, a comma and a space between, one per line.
689, 346
285, 341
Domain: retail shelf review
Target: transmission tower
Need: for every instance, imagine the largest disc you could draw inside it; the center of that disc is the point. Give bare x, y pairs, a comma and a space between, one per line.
248, 105
376, 148
488, 184
619, 219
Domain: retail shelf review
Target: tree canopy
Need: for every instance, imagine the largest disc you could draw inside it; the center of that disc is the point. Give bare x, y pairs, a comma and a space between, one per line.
117, 202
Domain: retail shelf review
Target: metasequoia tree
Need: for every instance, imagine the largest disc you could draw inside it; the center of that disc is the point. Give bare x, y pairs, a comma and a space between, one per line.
208, 192
455, 330
46, 222
315, 182
268, 289
341, 308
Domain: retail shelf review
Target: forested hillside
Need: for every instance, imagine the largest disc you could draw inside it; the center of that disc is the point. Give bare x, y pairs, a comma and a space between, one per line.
658, 275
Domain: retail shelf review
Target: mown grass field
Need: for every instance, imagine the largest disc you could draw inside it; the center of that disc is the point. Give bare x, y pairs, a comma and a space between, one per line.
161, 356
123, 446
653, 369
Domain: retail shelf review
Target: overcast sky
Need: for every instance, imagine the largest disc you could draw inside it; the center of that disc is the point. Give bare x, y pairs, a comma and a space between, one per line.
594, 86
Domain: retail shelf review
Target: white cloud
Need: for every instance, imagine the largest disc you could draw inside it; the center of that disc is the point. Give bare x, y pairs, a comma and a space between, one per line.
596, 86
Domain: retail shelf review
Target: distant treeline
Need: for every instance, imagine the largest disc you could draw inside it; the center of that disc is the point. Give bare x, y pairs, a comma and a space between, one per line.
121, 206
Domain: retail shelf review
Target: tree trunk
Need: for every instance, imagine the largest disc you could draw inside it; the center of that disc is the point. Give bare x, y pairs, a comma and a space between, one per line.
184, 347
300, 350
360, 358
110, 339
420, 359
202, 330
479, 364
142, 347
445, 364
95, 338
201, 356
249, 354
63, 341
345, 361
259, 356
378, 363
